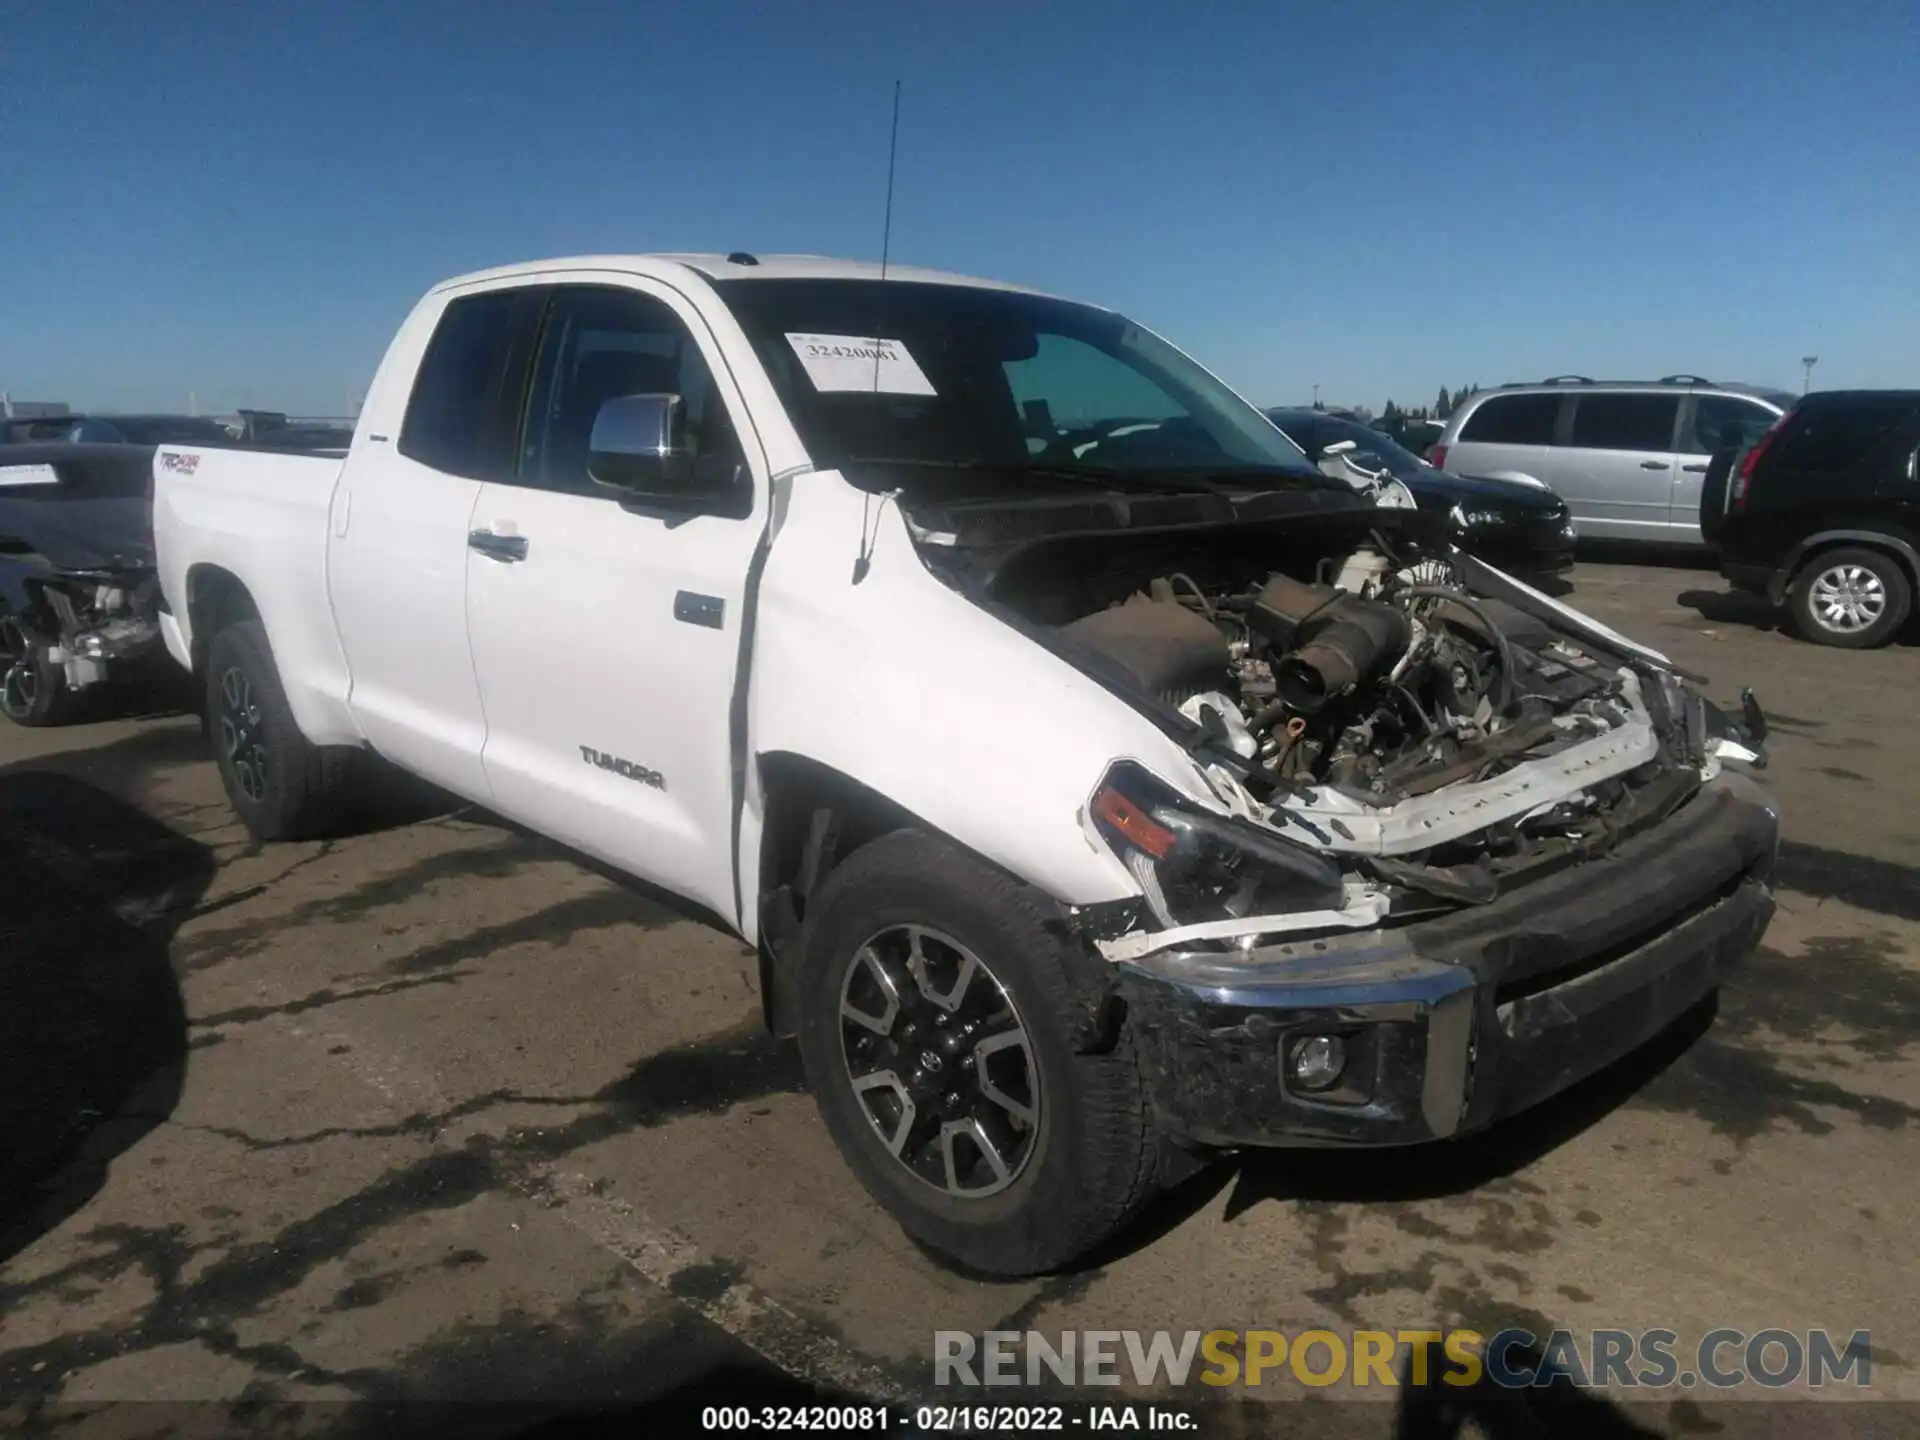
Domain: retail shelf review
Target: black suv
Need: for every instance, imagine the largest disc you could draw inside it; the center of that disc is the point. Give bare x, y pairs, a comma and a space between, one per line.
1823, 513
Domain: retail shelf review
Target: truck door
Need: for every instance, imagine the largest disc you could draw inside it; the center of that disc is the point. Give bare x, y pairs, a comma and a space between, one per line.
397, 554
606, 641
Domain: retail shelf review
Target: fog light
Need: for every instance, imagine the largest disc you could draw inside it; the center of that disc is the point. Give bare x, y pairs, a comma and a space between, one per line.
1318, 1061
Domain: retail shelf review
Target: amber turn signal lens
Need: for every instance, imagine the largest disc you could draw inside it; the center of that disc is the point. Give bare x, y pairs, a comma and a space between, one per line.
1127, 819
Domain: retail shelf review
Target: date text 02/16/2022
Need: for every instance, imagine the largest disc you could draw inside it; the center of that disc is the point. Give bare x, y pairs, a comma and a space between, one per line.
946, 1419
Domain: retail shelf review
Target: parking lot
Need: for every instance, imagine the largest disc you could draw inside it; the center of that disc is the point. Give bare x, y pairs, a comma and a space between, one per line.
433, 1111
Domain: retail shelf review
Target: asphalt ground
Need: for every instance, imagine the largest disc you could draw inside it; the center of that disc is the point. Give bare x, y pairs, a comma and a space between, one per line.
329, 1137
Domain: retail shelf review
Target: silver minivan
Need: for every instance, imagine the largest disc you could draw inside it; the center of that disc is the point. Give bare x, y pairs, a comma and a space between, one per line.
1628, 457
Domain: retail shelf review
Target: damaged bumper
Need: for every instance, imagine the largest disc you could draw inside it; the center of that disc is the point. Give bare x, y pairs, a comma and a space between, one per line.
87, 643
1443, 1026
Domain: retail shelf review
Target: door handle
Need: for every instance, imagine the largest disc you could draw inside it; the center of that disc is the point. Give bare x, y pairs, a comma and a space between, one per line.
508, 548
709, 611
1653, 465
1694, 469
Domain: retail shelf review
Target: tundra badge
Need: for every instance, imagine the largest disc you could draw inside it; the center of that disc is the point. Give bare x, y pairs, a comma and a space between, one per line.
623, 767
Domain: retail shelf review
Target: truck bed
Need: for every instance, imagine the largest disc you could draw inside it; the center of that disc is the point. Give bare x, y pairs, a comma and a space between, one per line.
262, 514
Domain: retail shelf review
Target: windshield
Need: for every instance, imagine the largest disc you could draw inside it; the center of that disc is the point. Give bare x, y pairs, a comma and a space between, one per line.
1372, 449
953, 375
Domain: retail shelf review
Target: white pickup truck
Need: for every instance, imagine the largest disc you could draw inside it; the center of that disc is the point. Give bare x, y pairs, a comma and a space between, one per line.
1101, 786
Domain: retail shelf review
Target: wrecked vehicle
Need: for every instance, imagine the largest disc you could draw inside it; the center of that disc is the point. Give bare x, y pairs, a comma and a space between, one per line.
1101, 785
78, 595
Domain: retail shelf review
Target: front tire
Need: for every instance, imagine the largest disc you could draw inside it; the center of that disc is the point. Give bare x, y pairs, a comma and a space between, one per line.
33, 690
1851, 597
280, 784
937, 1012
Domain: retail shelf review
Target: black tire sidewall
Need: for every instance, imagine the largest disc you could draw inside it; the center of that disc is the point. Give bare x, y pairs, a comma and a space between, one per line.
1054, 1208
52, 700
1893, 577
244, 647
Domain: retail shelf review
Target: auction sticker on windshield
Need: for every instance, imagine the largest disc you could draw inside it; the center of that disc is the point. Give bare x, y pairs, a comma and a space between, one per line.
860, 363
34, 474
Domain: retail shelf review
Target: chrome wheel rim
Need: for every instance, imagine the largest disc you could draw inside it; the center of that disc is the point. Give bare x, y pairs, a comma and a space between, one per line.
1847, 599
20, 684
940, 1061
241, 737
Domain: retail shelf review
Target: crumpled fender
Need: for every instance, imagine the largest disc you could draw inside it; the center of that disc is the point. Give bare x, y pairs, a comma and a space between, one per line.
908, 687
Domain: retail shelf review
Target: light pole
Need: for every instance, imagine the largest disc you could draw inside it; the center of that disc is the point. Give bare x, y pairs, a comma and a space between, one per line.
1807, 362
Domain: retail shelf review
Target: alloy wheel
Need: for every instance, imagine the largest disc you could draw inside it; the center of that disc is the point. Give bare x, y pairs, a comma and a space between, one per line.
940, 1061
1847, 599
242, 739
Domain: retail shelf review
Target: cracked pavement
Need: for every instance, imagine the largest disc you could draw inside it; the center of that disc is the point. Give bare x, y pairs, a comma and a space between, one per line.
312, 1133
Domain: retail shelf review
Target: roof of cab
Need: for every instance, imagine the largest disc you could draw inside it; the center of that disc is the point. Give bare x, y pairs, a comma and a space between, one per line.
725, 267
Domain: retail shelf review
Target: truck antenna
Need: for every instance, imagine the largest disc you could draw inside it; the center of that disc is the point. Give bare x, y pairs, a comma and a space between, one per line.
863, 559
893, 150
886, 225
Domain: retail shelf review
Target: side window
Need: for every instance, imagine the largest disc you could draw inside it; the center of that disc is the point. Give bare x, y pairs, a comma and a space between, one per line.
1513, 420
1836, 437
456, 395
1723, 422
600, 344
1624, 422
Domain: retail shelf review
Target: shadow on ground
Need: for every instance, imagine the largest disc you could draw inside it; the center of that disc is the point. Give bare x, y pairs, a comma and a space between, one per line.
1740, 607
1882, 886
1659, 557
1734, 607
93, 1034
1443, 1409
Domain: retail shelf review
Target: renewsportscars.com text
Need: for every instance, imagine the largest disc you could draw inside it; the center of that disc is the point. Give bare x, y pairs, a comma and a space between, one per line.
1515, 1358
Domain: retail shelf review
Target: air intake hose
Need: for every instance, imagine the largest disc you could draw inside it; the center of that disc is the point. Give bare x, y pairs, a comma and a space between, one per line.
1333, 641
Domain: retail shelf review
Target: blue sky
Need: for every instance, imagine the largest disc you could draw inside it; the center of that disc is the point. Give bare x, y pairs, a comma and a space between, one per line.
242, 200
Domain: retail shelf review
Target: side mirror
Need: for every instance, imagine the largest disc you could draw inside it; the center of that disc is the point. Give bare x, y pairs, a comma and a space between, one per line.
1340, 447
639, 446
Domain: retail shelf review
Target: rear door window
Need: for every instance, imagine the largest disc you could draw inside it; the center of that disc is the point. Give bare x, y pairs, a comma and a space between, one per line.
463, 416
1838, 436
1513, 420
1625, 422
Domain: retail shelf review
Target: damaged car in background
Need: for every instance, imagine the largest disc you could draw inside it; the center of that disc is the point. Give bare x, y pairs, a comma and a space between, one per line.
78, 595
1101, 785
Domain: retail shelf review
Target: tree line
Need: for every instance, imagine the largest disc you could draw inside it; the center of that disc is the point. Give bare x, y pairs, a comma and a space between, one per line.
1443, 406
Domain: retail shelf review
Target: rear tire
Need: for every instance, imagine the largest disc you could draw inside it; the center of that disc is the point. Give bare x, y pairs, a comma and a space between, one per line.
1070, 1172
33, 690
280, 784
1852, 597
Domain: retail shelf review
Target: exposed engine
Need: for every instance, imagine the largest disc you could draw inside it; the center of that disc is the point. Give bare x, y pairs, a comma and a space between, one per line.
1348, 703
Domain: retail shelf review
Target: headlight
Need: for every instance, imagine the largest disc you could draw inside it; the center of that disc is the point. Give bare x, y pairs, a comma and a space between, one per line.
1195, 867
1465, 519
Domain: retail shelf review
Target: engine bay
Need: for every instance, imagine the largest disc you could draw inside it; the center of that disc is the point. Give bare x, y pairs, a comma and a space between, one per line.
1359, 692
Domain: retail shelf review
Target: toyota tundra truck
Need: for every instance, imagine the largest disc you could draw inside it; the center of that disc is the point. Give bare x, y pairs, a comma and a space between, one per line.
1101, 786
